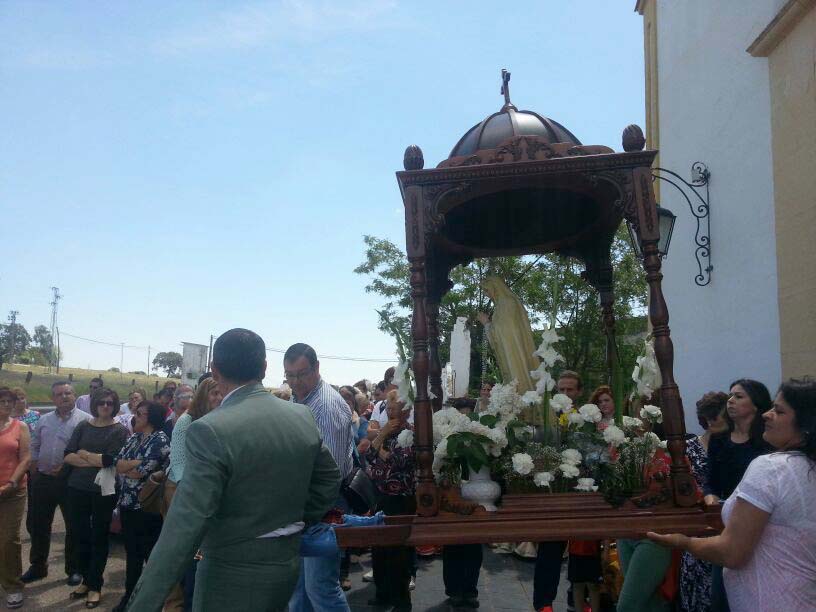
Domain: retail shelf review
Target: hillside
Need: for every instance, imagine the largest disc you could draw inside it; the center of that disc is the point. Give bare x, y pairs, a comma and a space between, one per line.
38, 389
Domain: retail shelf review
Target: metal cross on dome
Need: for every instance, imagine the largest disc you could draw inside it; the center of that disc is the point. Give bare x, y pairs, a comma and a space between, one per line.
505, 89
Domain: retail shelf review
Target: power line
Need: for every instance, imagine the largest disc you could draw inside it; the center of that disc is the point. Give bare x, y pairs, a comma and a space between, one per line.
271, 350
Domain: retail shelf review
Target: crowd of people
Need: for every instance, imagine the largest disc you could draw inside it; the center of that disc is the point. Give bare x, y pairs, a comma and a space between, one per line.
214, 486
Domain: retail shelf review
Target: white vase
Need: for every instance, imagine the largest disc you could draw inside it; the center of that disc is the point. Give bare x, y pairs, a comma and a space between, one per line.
481, 489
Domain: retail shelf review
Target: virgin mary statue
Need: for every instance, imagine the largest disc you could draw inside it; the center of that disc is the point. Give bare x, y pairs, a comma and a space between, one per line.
509, 334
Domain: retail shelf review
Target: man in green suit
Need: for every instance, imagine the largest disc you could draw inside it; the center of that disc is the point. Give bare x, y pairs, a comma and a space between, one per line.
256, 472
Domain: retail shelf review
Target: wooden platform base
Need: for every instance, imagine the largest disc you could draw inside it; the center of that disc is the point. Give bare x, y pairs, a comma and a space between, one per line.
537, 518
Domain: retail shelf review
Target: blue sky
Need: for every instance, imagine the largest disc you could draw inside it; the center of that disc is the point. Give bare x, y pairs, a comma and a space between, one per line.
181, 168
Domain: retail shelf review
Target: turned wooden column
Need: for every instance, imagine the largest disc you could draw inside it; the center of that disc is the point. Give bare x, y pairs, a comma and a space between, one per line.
426, 491
683, 484
435, 366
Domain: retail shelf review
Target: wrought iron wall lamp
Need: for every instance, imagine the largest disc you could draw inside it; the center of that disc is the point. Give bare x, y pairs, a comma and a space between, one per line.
698, 200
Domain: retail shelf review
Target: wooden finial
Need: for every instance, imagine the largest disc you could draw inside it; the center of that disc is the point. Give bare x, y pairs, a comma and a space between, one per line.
633, 139
413, 159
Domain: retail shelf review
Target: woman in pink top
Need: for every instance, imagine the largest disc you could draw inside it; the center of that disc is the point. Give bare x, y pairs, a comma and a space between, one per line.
15, 458
768, 546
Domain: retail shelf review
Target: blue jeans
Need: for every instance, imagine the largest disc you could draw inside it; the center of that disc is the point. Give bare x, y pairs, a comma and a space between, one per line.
318, 588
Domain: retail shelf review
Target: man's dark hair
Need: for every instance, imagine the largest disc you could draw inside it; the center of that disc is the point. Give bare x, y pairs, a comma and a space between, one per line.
388, 377
296, 351
104, 393
204, 377
166, 392
97, 380
155, 414
382, 385
240, 355
60, 383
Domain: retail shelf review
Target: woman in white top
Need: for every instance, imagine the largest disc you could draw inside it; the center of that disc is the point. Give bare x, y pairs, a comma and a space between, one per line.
768, 546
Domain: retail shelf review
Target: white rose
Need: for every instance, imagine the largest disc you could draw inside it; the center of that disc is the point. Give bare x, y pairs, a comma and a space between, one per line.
591, 413
571, 456
614, 435
586, 484
543, 479
405, 439
560, 403
531, 398
522, 463
651, 413
569, 470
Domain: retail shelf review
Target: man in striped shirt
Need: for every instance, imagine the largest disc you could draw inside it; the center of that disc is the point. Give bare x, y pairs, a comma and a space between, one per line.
318, 587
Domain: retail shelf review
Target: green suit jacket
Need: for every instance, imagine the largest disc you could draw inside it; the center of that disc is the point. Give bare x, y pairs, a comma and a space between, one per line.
253, 465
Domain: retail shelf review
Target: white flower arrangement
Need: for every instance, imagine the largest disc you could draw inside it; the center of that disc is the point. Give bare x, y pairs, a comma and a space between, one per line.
543, 479
569, 470
650, 413
522, 463
614, 435
586, 484
405, 439
646, 374
560, 403
531, 398
591, 413
571, 456
652, 440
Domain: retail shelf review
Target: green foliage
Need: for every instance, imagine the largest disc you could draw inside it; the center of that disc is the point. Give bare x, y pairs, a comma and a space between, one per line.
469, 449
169, 361
14, 340
550, 287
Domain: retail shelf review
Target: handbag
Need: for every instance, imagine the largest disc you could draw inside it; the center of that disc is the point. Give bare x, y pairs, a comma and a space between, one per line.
152, 494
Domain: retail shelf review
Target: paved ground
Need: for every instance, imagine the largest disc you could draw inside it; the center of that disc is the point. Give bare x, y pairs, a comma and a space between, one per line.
505, 584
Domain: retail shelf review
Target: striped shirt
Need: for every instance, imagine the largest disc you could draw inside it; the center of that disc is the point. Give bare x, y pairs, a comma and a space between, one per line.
333, 417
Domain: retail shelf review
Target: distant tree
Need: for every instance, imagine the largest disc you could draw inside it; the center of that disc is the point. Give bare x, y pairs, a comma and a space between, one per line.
168, 361
113, 369
16, 333
43, 343
139, 372
31, 356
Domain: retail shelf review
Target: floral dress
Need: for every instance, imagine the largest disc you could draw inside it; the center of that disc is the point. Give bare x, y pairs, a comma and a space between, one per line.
30, 418
153, 451
695, 575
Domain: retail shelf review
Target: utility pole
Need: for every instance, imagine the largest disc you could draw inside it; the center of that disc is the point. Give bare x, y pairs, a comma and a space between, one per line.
121, 360
54, 302
148, 360
58, 351
13, 329
209, 353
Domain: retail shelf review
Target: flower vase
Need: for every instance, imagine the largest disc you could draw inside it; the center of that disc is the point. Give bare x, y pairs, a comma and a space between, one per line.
481, 489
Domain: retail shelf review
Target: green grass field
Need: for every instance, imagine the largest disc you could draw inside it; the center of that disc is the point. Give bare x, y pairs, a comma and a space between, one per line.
38, 389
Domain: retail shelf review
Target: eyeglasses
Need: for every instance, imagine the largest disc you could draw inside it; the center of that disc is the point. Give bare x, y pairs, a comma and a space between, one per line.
185, 396
299, 376
105, 403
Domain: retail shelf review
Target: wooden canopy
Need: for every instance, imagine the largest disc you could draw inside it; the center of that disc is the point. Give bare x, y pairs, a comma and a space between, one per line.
529, 194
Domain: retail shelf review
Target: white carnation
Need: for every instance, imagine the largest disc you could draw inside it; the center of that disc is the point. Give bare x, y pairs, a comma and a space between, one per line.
632, 423
652, 414
586, 484
522, 463
569, 470
614, 435
591, 413
405, 439
543, 479
571, 456
560, 403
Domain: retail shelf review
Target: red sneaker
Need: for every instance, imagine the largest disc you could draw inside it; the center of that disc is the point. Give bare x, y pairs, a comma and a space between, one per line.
546, 609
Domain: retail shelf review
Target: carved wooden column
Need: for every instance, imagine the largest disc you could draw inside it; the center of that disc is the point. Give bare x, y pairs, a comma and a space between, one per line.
672, 405
435, 369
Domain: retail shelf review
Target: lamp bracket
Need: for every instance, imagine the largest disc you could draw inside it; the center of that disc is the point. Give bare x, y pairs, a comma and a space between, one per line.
697, 197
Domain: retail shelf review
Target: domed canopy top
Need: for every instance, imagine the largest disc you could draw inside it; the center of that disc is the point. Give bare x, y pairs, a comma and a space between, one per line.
510, 122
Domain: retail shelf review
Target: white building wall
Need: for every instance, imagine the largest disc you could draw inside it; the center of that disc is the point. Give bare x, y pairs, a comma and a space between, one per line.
714, 102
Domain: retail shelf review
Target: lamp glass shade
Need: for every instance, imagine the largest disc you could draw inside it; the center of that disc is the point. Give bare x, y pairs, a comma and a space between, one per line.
666, 219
